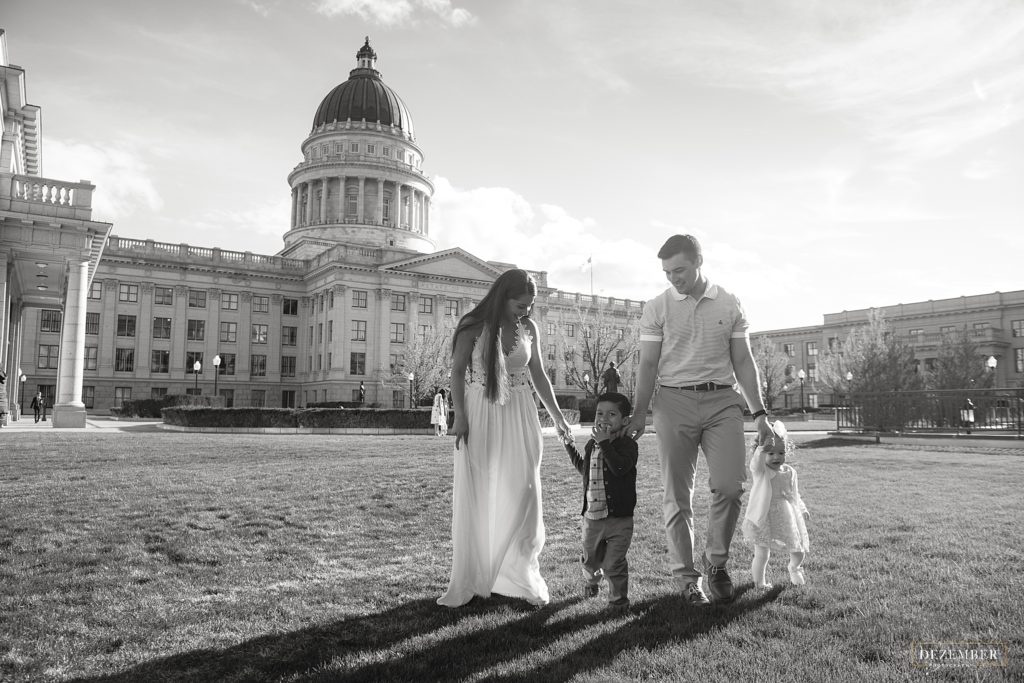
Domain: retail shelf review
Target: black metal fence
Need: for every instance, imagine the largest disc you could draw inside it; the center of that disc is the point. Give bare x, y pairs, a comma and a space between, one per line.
975, 411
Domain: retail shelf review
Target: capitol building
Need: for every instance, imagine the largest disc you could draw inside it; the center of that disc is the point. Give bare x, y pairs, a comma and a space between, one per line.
92, 319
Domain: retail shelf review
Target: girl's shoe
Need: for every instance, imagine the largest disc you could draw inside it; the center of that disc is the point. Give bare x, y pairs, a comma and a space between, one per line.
796, 576
763, 586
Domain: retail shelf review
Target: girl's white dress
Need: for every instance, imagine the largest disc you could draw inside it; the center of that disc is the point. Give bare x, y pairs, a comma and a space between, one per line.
775, 510
497, 520
439, 413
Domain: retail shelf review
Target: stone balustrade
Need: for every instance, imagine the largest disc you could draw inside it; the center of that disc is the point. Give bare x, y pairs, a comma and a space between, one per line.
192, 254
35, 195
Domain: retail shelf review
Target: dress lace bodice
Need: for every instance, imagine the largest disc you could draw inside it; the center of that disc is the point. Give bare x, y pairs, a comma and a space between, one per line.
513, 367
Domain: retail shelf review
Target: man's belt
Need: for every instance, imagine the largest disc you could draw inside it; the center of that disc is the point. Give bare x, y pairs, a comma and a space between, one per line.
706, 386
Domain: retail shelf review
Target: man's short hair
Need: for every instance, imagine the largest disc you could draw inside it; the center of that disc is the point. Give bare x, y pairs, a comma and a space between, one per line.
620, 401
681, 244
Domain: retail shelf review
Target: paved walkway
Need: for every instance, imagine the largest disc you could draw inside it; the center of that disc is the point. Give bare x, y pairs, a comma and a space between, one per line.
92, 423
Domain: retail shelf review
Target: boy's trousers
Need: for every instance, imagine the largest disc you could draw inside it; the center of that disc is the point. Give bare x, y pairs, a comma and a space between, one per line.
605, 544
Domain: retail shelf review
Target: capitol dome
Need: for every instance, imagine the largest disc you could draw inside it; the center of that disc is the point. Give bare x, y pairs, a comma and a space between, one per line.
364, 96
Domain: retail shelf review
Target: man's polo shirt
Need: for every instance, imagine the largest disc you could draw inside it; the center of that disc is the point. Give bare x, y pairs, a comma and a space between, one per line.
695, 335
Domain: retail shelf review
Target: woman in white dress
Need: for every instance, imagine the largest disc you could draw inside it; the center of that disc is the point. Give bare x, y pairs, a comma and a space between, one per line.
439, 413
497, 518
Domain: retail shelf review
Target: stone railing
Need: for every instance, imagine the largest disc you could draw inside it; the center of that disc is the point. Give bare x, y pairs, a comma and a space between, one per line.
192, 254
39, 196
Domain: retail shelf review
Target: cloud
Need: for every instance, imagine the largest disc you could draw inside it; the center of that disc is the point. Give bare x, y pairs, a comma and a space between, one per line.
118, 170
394, 12
498, 224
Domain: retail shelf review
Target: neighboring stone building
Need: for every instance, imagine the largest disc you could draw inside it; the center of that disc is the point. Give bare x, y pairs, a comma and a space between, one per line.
357, 279
995, 321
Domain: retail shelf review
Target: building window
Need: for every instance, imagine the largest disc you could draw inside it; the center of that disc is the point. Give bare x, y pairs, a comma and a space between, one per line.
330, 359
287, 366
385, 151
587, 331
227, 364
126, 326
397, 398
122, 394
812, 372
163, 296
161, 328
947, 329
398, 333
258, 398
398, 302
321, 299
426, 304
319, 333
310, 336
229, 302
258, 366
789, 349
553, 375
289, 336
49, 321
424, 332
288, 398
451, 307
48, 355
259, 333
552, 329
160, 361
395, 362
196, 330
358, 298
96, 291
157, 393
261, 304
289, 307
319, 361
330, 331
790, 370
916, 334
89, 397
812, 348
353, 147
92, 354
124, 360
371, 149
128, 293
92, 323
191, 358
1018, 360
229, 332
551, 351
330, 299
1017, 327
358, 330
197, 298
351, 209
570, 330
357, 363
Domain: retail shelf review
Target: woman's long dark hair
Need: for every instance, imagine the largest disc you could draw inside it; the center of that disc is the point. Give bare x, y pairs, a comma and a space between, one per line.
510, 285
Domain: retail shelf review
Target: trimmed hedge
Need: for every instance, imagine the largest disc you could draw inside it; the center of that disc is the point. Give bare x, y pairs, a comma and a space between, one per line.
567, 401
151, 407
571, 416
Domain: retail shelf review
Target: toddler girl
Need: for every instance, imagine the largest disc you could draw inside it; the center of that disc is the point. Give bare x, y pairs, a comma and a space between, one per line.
775, 513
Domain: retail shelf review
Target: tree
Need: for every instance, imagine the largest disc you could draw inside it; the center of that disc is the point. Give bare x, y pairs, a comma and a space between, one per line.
959, 364
600, 335
771, 364
428, 357
877, 359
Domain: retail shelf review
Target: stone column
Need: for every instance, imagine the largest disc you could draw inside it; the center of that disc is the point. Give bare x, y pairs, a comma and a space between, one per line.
380, 201
68, 409
360, 211
307, 190
323, 200
397, 208
341, 198
295, 206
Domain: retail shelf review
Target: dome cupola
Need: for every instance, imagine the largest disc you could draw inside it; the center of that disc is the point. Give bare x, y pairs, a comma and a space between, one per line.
365, 97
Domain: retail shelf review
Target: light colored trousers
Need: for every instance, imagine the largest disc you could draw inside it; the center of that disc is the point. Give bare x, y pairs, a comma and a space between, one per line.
605, 544
712, 420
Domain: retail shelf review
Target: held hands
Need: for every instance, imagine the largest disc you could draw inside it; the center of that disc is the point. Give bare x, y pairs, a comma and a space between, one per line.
765, 433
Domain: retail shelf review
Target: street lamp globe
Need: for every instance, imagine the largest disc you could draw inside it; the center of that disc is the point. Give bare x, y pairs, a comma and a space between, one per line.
991, 363
197, 367
849, 376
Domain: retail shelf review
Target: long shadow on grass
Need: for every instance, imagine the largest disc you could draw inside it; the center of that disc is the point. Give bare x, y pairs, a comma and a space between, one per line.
509, 630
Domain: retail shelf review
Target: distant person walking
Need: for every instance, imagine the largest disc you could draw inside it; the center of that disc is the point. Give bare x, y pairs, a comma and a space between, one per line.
37, 404
967, 415
694, 343
3, 397
611, 379
439, 413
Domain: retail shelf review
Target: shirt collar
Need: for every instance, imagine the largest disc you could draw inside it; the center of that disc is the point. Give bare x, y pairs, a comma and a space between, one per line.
710, 292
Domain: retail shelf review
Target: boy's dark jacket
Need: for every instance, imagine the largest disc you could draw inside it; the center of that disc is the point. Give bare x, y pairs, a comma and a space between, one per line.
619, 457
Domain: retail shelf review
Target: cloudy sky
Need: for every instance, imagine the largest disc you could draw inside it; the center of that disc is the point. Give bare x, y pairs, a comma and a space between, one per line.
830, 155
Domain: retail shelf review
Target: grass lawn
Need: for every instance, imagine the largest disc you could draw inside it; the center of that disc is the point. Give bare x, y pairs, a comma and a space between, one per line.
152, 556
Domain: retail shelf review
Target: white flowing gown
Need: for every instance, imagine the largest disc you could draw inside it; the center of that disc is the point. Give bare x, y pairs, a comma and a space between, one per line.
497, 519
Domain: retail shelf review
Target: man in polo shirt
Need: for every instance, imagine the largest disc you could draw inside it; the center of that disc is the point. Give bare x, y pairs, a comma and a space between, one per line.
693, 339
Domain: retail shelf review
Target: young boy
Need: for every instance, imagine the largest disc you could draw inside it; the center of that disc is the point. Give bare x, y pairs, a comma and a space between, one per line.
608, 466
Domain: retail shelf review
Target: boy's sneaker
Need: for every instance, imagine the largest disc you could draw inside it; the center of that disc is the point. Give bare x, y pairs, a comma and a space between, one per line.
796, 576
694, 595
620, 606
590, 590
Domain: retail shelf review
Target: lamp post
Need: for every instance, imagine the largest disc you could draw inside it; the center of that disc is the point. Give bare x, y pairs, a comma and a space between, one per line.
196, 368
586, 383
849, 378
991, 364
412, 376
801, 375
216, 374
21, 393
